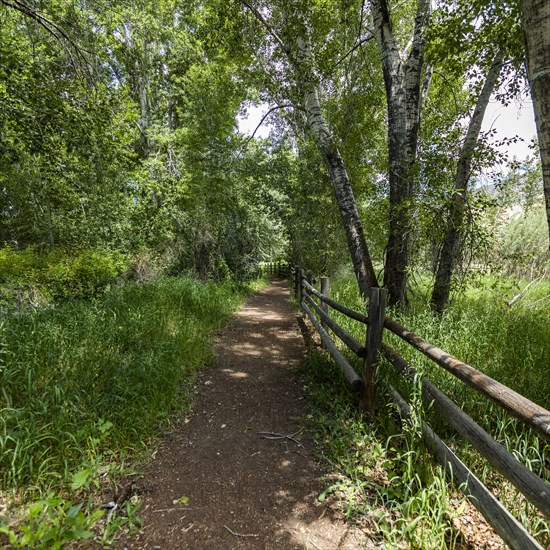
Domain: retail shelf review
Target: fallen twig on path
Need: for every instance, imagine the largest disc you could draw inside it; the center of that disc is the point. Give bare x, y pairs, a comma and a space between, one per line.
274, 435
301, 454
239, 534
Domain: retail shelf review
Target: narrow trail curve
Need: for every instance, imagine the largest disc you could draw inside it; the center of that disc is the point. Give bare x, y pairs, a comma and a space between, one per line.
242, 490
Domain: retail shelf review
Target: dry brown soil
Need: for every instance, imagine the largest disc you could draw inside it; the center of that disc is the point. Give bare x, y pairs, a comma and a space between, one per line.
216, 481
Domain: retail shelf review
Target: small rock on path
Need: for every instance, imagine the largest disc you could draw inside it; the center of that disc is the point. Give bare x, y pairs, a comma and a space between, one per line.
215, 482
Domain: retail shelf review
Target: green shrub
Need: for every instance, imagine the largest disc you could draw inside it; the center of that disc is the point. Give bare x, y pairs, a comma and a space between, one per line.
56, 275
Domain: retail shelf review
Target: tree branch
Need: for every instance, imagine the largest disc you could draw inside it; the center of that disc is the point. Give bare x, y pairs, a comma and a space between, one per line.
418, 39
277, 107
362, 41
425, 86
50, 26
387, 45
268, 27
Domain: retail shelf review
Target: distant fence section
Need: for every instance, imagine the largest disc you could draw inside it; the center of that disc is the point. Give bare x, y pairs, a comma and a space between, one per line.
277, 269
317, 305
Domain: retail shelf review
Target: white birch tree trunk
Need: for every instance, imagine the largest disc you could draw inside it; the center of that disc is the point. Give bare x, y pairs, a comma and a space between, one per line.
450, 251
536, 30
357, 244
403, 82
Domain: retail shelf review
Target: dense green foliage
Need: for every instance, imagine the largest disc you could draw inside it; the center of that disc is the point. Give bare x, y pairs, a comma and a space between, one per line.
127, 139
120, 131
29, 278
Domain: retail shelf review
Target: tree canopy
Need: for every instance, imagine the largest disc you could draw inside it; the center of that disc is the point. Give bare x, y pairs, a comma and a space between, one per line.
118, 129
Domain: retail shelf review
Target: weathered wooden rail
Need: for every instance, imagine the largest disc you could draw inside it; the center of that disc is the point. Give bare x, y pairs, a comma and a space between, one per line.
317, 303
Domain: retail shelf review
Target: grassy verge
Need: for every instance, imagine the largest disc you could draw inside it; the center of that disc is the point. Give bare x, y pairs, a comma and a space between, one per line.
380, 474
85, 386
511, 344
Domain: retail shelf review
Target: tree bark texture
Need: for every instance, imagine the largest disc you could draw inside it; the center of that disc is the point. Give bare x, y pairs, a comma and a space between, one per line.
536, 30
303, 63
403, 82
450, 250
357, 244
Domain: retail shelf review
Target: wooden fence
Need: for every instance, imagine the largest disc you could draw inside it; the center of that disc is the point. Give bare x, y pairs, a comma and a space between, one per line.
278, 269
317, 303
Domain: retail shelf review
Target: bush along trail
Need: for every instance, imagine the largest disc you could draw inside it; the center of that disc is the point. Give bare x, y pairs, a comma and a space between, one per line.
238, 471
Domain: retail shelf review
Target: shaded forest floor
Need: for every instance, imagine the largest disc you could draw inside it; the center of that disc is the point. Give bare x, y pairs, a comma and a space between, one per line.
217, 481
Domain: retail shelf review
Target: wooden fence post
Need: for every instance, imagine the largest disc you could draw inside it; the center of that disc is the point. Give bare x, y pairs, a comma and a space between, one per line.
300, 287
296, 281
309, 276
325, 289
377, 311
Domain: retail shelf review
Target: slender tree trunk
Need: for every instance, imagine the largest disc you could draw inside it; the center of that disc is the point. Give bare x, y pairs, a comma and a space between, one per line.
404, 83
450, 250
362, 264
536, 30
303, 63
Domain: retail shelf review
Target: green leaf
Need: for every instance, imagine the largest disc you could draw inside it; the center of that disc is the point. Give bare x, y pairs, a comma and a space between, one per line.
35, 508
80, 478
73, 510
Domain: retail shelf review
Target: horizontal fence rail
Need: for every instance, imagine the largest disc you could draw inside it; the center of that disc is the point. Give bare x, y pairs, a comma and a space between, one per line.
528, 412
316, 305
277, 269
533, 415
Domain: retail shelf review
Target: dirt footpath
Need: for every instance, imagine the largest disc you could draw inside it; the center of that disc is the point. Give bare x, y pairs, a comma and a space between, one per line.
217, 482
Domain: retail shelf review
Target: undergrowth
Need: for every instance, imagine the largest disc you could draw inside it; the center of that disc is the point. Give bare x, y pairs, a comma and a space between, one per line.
379, 472
30, 278
85, 386
509, 343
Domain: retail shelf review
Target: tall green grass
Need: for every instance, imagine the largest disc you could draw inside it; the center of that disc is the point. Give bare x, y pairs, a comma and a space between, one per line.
84, 383
380, 474
509, 343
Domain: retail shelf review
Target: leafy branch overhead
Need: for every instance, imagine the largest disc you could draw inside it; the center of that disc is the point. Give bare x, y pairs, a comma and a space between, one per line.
75, 50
